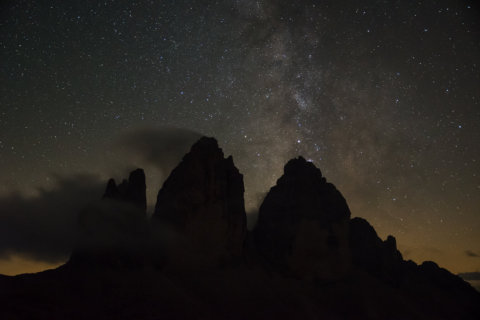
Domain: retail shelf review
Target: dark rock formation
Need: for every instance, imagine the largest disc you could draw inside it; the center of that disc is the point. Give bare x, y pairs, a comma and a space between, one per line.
202, 200
370, 253
303, 223
304, 230
111, 191
306, 260
132, 191
113, 231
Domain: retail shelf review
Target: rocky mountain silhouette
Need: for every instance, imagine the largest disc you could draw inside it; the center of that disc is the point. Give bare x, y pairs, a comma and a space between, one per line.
202, 200
114, 231
132, 190
303, 224
194, 259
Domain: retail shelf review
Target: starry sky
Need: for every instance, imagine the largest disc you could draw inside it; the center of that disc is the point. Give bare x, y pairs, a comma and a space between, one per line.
383, 96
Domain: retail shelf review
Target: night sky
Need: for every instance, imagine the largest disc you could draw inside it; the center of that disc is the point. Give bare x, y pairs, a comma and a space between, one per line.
383, 96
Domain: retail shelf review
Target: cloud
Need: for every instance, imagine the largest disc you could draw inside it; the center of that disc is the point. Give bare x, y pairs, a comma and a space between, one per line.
43, 227
471, 254
162, 148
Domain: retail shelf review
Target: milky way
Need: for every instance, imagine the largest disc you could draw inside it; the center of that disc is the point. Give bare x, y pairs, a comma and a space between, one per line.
383, 96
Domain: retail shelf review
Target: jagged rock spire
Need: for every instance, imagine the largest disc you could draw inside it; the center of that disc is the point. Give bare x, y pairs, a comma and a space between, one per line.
304, 218
113, 232
203, 199
132, 190
136, 189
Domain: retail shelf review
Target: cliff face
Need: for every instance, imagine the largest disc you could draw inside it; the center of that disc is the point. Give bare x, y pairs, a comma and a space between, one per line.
303, 224
202, 201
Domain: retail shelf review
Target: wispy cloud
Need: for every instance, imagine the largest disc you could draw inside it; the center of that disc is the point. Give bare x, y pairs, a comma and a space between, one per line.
471, 254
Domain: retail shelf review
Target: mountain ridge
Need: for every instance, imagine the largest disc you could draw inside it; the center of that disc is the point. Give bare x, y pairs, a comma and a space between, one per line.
306, 256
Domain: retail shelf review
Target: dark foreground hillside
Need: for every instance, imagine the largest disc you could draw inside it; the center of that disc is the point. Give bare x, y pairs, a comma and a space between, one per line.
194, 259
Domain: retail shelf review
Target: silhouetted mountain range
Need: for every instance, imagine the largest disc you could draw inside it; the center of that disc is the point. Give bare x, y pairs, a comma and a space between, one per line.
194, 258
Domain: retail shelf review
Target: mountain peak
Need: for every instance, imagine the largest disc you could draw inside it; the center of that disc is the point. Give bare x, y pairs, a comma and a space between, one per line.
303, 222
111, 191
301, 167
205, 143
303, 191
203, 200
136, 189
112, 231
132, 190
